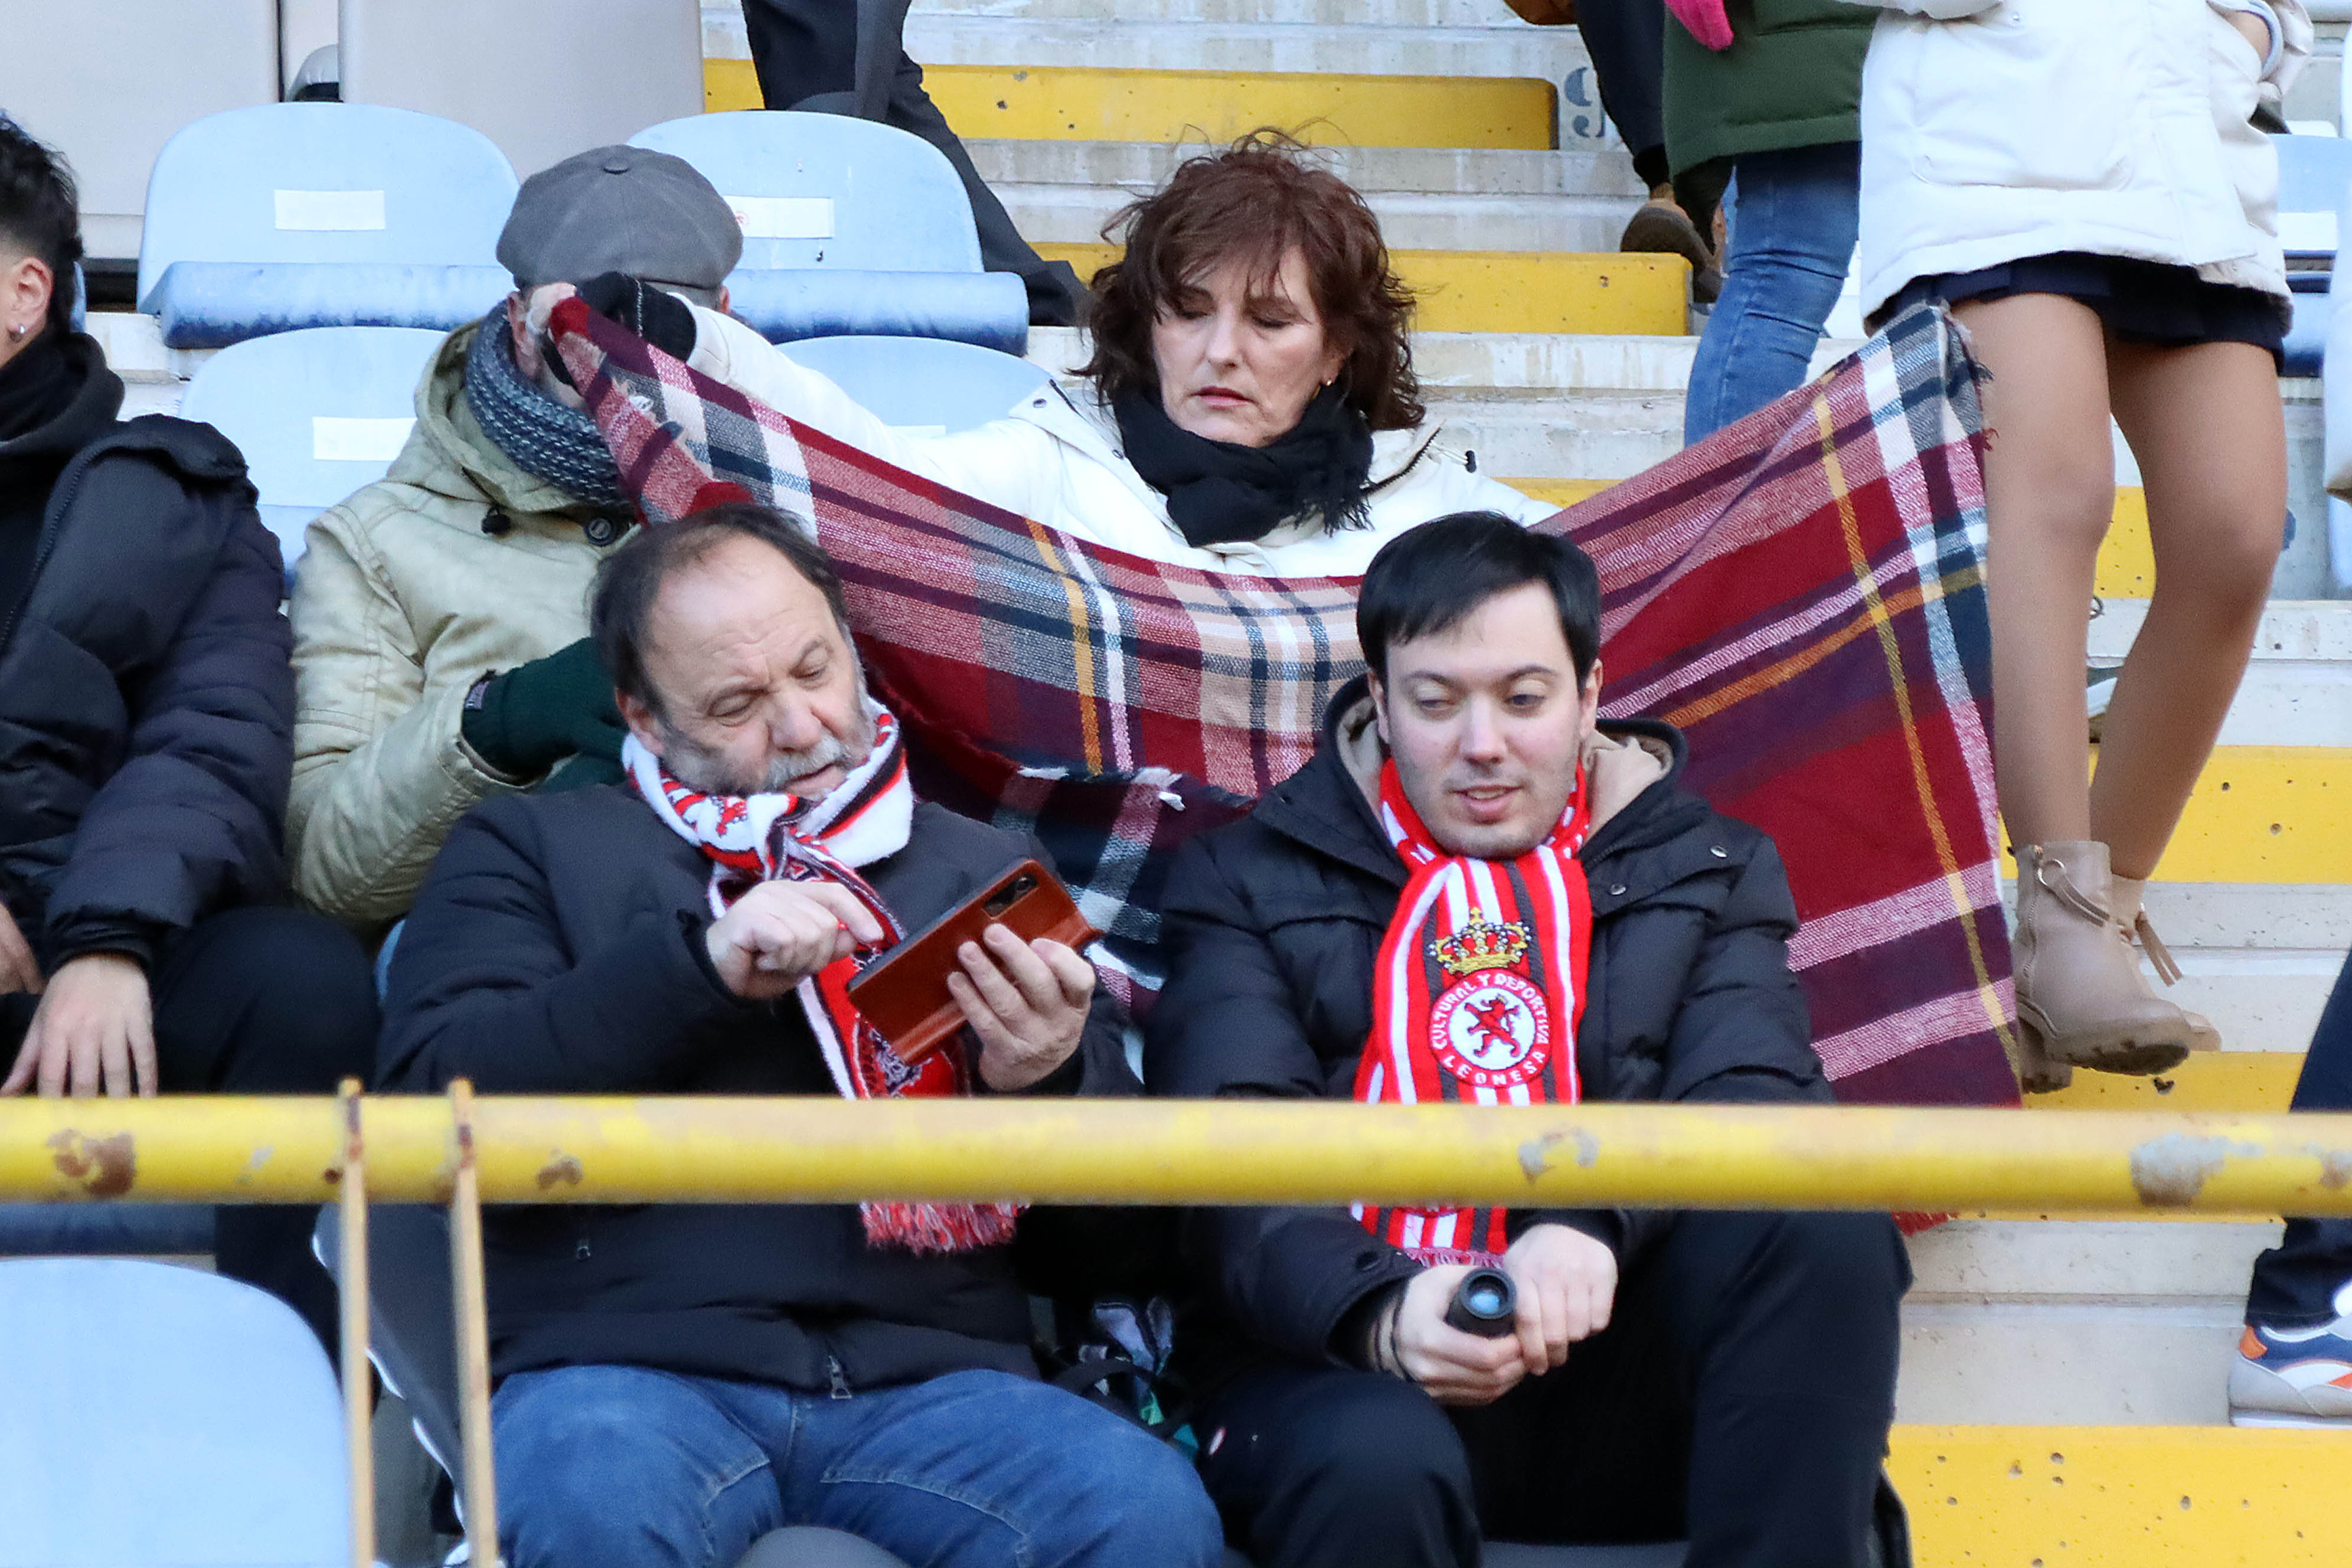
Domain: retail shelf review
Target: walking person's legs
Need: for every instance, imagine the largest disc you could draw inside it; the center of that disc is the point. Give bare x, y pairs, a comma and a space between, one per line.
2298, 1338
2049, 496
1792, 226
1627, 41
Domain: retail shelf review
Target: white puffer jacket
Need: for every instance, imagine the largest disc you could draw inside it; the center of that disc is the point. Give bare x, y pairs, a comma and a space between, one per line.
1995, 130
1055, 459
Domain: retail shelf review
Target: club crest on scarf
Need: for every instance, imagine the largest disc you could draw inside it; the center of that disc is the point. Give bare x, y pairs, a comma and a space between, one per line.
1477, 998
755, 839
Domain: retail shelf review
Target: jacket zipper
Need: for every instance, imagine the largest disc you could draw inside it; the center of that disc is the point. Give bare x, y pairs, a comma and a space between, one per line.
836, 1376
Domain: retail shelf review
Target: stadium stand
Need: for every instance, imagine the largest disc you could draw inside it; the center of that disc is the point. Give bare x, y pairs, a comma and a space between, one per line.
849, 227
117, 80
161, 1414
929, 384
312, 214
543, 79
317, 413
2314, 180
304, 27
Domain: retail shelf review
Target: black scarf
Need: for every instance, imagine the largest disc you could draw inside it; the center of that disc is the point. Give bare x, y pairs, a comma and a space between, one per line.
1221, 493
35, 386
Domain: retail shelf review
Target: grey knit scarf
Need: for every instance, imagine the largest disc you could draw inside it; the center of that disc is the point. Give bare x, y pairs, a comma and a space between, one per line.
538, 434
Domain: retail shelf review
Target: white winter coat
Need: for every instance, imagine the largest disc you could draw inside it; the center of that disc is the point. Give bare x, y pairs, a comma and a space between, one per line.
1995, 130
1056, 460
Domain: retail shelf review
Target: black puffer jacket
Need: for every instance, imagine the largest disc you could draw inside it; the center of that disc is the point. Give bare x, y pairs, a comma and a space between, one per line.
557, 948
1273, 928
146, 697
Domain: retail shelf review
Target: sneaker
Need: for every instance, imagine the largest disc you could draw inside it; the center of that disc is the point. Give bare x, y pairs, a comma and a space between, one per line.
2296, 1377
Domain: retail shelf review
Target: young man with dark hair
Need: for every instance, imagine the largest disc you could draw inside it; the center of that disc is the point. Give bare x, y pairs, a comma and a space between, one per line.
146, 721
1478, 891
677, 1381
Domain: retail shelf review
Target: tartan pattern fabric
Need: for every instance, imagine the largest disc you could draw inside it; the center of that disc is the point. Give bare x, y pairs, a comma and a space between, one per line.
1803, 593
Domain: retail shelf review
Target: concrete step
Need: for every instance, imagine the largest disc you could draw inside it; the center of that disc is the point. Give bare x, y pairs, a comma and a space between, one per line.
2297, 691
1134, 168
2241, 1079
2141, 1496
2075, 1322
1088, 103
1478, 291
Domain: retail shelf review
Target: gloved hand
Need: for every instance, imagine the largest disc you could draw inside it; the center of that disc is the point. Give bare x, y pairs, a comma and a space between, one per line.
654, 314
533, 716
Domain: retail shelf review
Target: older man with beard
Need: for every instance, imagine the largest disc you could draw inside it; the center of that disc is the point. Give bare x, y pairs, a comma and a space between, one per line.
677, 1381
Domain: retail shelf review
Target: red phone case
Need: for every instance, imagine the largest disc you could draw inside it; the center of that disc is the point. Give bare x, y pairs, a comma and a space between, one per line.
906, 995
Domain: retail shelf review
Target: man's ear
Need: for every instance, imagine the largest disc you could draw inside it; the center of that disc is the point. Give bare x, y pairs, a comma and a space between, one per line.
1380, 710
1592, 697
726, 305
641, 720
26, 287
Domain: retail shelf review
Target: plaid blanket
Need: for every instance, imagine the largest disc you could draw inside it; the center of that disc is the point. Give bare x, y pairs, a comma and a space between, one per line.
1801, 592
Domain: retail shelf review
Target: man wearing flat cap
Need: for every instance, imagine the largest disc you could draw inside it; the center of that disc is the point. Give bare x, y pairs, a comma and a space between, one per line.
440, 614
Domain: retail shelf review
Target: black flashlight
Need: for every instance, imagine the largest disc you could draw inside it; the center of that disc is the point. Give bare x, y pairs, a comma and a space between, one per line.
1483, 1304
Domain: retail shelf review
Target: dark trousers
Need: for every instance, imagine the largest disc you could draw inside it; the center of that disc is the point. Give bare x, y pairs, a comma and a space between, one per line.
1627, 39
259, 1000
806, 48
1740, 1396
2295, 1282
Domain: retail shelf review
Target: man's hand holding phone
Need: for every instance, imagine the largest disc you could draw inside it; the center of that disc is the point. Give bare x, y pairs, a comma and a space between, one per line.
1025, 1000
780, 932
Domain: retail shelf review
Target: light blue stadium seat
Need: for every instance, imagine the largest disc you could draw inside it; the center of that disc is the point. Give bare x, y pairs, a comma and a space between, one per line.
849, 227
317, 413
2315, 173
286, 216
160, 1415
924, 383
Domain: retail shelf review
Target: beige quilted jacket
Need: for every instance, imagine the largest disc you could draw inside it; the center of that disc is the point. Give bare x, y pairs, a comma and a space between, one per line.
402, 600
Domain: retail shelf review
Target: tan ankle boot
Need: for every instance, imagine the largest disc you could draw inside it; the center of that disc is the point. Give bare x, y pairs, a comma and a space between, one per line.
2128, 895
2036, 1073
2078, 983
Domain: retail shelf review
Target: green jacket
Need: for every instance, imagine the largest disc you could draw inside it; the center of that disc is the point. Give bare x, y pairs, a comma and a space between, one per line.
1791, 78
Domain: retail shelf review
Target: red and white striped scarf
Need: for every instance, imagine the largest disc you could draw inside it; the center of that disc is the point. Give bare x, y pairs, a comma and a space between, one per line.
1479, 990
757, 838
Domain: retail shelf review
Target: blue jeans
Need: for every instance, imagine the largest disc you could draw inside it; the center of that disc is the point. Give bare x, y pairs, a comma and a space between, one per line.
637, 1468
2295, 1282
1793, 216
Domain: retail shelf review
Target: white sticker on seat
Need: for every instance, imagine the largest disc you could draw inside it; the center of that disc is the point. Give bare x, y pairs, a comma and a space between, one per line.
2306, 231
784, 218
334, 440
331, 209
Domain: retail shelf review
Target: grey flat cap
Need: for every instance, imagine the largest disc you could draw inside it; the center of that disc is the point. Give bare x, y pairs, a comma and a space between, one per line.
621, 209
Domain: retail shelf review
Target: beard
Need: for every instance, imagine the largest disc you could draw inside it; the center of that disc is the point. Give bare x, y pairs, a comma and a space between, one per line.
701, 768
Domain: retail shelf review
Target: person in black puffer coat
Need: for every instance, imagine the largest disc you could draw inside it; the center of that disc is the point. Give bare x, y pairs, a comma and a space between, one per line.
146, 739
1726, 1376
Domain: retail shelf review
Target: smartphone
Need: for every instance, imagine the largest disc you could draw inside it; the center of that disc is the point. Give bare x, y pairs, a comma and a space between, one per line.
906, 995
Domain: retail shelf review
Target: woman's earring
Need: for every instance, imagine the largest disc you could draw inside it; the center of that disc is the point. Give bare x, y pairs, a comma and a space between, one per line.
16, 335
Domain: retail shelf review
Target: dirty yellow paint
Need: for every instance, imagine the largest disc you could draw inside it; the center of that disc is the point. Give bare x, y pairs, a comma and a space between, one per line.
1066, 104
2261, 814
744, 1150
1515, 290
2122, 1497
2223, 1083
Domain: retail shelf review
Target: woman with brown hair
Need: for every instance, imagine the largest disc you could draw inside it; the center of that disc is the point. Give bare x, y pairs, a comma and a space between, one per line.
1250, 404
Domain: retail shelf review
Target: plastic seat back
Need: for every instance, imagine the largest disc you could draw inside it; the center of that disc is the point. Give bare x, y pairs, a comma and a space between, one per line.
824, 190
543, 78
318, 414
108, 84
161, 1416
296, 183
923, 384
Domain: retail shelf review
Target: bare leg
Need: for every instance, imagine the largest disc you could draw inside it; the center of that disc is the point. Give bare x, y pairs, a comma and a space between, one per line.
2206, 425
2049, 493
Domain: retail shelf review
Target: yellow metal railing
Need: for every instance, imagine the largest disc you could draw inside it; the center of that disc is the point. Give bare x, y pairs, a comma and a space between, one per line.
464, 1151
737, 1150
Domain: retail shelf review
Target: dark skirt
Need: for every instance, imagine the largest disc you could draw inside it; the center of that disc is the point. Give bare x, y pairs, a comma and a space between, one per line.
2140, 301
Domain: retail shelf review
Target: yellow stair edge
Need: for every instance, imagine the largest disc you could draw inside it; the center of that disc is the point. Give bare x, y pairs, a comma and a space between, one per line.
1513, 290
2122, 1497
2126, 561
1077, 103
2213, 1083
